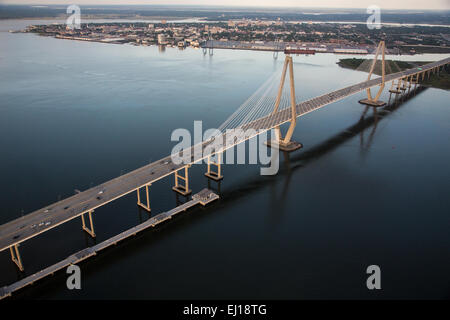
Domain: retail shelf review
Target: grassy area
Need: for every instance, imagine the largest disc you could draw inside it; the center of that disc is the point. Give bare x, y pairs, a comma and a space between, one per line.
392, 66
424, 49
441, 82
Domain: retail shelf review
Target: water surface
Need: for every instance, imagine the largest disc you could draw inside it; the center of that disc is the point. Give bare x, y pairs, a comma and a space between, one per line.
76, 114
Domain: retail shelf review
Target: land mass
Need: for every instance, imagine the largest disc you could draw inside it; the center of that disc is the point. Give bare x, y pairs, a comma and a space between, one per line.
225, 13
247, 34
439, 81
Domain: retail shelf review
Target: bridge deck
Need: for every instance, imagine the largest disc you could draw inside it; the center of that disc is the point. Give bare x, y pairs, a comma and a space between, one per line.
39, 221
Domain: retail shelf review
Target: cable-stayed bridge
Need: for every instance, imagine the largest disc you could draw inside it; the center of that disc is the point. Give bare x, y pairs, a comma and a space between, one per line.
271, 106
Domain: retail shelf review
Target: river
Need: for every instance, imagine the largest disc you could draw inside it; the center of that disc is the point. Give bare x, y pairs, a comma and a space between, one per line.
76, 114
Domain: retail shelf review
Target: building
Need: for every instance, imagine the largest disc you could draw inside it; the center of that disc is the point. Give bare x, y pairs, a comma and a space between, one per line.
350, 51
162, 39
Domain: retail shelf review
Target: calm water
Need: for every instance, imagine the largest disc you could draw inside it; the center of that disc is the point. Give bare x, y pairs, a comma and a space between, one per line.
75, 114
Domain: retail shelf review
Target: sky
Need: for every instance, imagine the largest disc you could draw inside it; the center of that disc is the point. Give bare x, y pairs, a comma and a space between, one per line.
387, 4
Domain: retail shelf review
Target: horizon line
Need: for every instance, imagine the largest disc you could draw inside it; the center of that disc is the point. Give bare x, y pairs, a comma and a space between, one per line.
212, 6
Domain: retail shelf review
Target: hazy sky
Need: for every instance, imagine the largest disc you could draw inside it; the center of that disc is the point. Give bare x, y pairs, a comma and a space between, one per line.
387, 4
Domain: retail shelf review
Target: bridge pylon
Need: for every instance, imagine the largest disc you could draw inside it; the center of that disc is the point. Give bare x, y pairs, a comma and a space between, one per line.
373, 101
285, 144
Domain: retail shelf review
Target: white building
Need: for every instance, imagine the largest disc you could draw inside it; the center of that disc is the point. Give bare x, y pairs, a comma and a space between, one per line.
162, 39
351, 51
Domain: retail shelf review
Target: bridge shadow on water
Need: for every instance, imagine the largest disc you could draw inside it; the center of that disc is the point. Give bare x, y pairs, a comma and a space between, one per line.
295, 161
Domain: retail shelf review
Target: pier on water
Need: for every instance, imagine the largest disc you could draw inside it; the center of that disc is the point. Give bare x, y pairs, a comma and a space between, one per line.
203, 197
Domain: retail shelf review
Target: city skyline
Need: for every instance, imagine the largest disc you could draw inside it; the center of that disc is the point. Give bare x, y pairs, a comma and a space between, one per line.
399, 4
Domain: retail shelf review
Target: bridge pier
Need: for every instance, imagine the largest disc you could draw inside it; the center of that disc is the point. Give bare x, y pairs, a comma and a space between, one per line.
139, 203
179, 187
15, 256
215, 175
416, 80
372, 103
282, 144
403, 86
395, 88
89, 230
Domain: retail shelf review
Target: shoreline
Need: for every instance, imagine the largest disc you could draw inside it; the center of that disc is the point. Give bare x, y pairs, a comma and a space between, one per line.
437, 81
205, 20
116, 18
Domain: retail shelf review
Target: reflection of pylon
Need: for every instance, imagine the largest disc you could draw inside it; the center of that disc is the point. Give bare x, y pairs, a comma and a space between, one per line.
275, 53
373, 101
366, 147
279, 193
285, 144
211, 47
